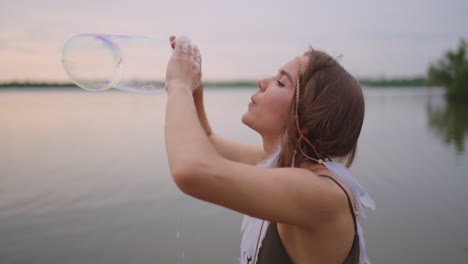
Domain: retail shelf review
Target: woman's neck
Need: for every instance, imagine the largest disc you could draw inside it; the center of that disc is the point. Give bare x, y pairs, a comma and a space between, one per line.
270, 144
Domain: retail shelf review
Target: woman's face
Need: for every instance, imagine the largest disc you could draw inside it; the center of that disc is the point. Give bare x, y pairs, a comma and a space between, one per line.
269, 107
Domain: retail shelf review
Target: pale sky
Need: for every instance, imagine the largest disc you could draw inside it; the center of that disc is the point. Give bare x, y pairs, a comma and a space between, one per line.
240, 39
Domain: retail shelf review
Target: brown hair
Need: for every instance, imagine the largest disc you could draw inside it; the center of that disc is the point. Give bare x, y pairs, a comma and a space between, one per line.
330, 110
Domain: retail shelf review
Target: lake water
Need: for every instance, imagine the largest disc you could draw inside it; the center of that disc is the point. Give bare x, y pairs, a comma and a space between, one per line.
84, 179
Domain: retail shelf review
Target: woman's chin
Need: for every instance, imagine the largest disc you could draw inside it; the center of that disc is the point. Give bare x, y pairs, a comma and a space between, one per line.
246, 120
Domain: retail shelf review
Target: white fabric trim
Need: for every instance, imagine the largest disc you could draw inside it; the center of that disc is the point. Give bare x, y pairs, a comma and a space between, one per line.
361, 199
250, 227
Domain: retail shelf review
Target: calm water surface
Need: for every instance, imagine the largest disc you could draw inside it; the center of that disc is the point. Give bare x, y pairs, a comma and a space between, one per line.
84, 179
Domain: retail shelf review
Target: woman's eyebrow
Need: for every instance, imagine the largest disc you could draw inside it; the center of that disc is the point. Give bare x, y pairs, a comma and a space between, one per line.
287, 74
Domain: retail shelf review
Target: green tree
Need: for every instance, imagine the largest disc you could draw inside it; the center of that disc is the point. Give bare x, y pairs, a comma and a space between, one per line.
451, 72
450, 123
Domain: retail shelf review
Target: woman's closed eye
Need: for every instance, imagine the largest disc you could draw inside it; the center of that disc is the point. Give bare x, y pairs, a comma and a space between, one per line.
280, 84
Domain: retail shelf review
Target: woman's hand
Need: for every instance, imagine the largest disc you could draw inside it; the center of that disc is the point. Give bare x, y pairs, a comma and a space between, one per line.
184, 67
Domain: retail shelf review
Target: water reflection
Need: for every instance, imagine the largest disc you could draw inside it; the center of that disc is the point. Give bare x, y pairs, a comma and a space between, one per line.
449, 121
84, 179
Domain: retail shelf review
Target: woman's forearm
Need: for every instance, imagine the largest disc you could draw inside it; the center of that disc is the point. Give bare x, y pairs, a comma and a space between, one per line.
187, 144
198, 98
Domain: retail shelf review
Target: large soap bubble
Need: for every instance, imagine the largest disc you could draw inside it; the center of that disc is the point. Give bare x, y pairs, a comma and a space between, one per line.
98, 62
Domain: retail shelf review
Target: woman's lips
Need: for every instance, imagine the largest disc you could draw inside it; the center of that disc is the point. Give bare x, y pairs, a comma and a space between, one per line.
253, 101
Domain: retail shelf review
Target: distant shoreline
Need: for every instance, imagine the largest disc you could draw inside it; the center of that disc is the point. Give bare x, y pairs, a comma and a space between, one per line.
408, 82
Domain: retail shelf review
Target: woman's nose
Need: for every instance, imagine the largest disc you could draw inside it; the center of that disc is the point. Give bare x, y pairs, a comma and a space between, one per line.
260, 85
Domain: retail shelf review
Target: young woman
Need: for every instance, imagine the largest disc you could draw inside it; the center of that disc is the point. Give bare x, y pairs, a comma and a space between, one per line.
300, 206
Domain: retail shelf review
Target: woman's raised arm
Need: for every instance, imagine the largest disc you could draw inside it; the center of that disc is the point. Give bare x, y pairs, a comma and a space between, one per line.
285, 195
229, 149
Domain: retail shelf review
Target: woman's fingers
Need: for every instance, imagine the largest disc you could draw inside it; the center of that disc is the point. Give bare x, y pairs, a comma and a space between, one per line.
185, 64
180, 46
172, 41
197, 57
187, 48
181, 67
193, 52
182, 41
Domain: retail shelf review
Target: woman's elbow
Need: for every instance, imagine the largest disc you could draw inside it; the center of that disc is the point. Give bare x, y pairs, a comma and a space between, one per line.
188, 175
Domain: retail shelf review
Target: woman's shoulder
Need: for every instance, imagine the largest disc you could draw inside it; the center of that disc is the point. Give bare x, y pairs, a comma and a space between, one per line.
337, 190
330, 202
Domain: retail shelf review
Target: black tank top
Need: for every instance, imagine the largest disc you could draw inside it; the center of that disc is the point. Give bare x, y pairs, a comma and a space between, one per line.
273, 251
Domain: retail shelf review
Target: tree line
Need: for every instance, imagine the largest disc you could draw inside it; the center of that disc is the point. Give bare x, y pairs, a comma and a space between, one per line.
451, 72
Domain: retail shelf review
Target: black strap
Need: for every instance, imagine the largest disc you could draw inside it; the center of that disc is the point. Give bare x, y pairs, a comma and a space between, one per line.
349, 200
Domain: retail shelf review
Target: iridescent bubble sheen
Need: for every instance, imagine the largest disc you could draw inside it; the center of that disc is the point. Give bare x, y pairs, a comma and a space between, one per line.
98, 62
